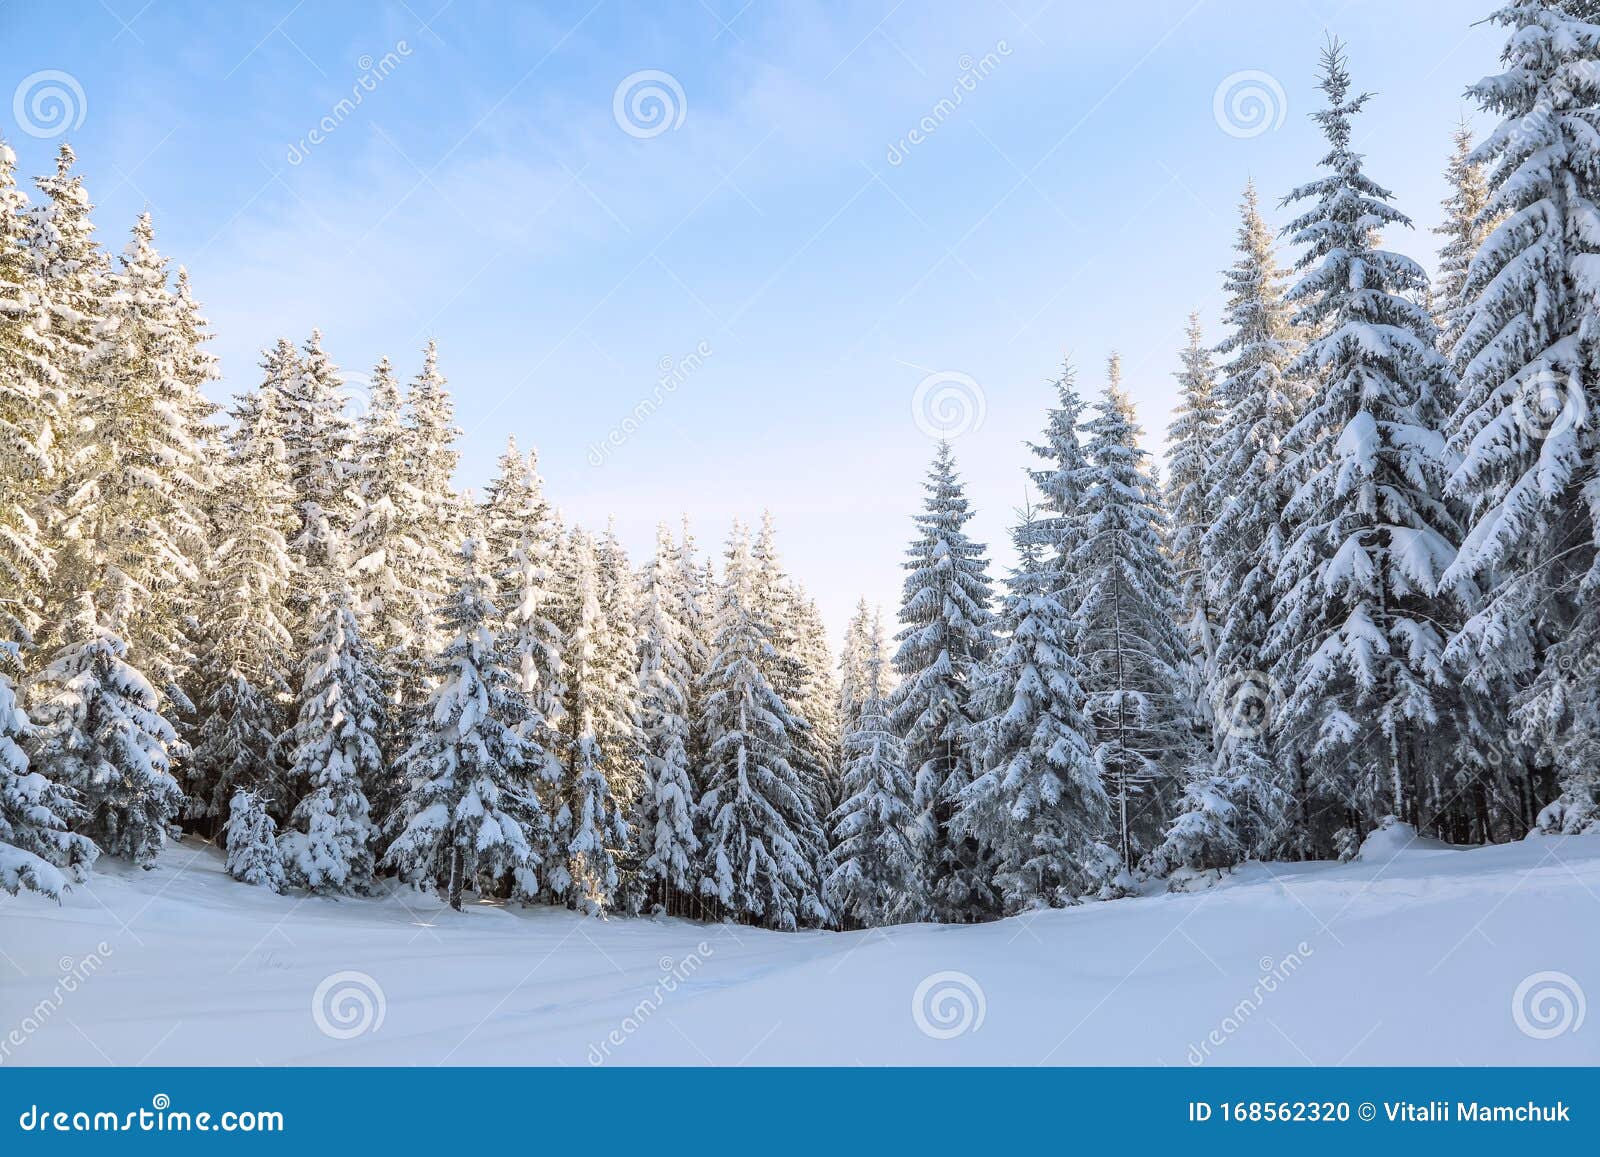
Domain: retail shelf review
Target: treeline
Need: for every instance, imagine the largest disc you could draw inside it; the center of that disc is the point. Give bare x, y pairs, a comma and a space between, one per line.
1366, 589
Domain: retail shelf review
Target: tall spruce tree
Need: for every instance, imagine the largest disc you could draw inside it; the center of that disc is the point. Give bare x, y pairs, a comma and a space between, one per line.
589, 823
33, 419
1251, 481
318, 444
133, 516
948, 633
247, 652
871, 876
1124, 596
756, 815
1190, 471
1039, 808
1467, 224
666, 816
335, 761
102, 734
38, 850
383, 532
468, 816
1525, 428
1356, 642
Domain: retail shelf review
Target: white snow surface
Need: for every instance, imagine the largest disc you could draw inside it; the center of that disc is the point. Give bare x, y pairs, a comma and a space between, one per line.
1413, 954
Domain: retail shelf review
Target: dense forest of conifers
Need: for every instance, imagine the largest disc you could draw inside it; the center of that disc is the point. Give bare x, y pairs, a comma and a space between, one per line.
1365, 593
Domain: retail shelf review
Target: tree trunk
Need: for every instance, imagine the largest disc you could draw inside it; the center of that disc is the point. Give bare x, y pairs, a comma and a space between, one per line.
455, 878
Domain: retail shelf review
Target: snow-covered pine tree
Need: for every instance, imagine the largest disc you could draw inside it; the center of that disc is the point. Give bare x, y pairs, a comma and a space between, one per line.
1356, 642
1190, 471
615, 673
758, 823
1525, 427
247, 651
438, 514
521, 540
818, 704
469, 817
133, 506
1251, 481
318, 447
1061, 480
101, 733
382, 538
666, 813
1038, 809
67, 262
588, 823
871, 876
1467, 223
1124, 596
948, 633
521, 537
779, 605
38, 851
251, 837
32, 419
691, 588
335, 761
853, 657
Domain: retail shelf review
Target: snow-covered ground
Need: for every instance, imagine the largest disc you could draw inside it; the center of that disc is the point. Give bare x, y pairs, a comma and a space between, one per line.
1416, 954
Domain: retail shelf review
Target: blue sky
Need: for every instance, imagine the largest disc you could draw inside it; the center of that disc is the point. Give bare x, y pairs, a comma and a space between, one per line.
786, 236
